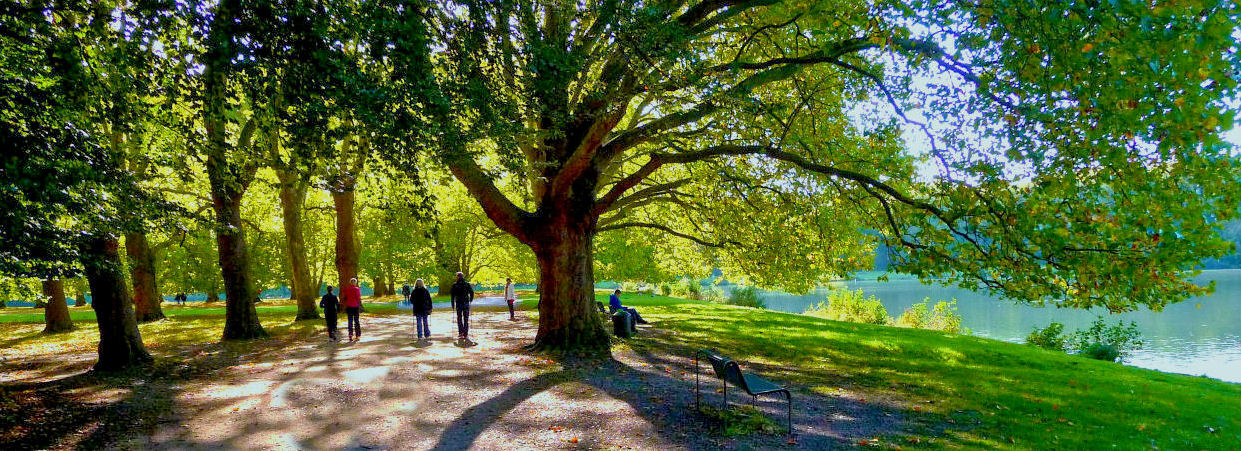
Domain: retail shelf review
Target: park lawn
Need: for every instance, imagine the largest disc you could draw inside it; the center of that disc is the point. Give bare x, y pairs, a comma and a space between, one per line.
961, 391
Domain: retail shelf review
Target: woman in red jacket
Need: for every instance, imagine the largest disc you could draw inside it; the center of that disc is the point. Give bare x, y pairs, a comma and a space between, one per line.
352, 298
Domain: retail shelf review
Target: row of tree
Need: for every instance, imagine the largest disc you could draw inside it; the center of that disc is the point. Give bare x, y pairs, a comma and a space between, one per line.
1077, 163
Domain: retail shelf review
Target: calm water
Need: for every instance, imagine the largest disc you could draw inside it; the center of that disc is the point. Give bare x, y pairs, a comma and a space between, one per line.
1201, 336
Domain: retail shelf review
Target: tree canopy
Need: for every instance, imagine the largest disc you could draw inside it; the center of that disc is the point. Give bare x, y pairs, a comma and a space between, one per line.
1059, 153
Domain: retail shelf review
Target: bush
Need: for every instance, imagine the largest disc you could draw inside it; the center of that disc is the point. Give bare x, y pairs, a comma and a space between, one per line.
687, 288
1104, 342
746, 297
1050, 337
713, 294
1101, 351
851, 306
943, 317
664, 289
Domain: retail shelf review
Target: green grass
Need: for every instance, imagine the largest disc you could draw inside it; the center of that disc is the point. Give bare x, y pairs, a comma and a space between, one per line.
964, 391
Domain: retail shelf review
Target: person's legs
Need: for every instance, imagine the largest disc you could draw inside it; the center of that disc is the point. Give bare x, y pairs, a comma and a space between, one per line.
637, 319
511, 313
460, 321
331, 326
424, 329
467, 320
355, 328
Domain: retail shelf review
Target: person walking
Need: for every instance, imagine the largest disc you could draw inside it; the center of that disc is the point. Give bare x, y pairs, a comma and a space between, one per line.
510, 296
420, 299
330, 306
462, 296
353, 307
405, 292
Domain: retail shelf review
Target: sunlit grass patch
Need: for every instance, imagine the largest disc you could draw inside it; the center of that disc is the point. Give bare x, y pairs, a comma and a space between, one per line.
963, 391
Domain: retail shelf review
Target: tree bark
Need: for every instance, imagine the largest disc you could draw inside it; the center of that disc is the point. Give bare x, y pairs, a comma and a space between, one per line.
213, 296
346, 237
567, 318
120, 342
80, 285
292, 200
142, 272
56, 315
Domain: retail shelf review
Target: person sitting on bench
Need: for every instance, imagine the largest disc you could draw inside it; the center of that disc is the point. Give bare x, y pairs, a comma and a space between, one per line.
615, 304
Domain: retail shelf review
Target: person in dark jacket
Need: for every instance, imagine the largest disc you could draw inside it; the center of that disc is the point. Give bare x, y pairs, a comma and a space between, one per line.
330, 306
405, 293
420, 299
462, 296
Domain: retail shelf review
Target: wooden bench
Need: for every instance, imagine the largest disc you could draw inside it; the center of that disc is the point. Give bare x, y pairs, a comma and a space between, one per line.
728, 371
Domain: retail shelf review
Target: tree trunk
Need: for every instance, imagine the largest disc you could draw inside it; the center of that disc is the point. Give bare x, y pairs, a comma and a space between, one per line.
567, 318
56, 315
292, 199
346, 237
241, 320
120, 342
380, 286
142, 272
213, 296
79, 284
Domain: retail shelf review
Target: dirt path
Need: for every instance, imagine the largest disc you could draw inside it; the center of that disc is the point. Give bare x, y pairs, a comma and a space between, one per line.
387, 392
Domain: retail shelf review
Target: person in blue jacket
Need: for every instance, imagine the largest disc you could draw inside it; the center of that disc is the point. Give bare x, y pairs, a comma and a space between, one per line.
615, 304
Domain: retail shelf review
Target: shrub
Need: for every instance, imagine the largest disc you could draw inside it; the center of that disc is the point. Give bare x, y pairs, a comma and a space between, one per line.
1101, 351
687, 288
1050, 337
1104, 342
942, 317
713, 294
664, 289
746, 297
851, 306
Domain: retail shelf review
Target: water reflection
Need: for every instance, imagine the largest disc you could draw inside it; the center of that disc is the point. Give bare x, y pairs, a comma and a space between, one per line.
1201, 336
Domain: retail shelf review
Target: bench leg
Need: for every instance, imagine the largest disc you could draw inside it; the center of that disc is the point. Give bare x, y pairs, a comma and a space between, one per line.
788, 398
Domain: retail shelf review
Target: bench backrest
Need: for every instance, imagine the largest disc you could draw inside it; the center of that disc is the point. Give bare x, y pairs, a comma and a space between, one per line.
725, 368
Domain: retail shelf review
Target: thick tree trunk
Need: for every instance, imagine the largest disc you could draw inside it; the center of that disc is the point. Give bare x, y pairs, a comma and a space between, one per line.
241, 320
567, 318
142, 273
292, 199
120, 343
79, 284
56, 315
346, 238
380, 286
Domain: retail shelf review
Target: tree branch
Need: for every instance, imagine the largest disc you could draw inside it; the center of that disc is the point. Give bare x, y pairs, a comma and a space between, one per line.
669, 231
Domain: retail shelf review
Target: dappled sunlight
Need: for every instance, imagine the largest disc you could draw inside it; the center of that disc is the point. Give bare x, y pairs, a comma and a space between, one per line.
851, 382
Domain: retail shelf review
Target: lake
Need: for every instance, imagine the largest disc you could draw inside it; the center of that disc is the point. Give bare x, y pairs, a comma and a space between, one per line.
1201, 336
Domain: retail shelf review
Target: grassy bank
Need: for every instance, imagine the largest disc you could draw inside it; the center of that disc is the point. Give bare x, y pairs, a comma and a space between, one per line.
953, 391
963, 391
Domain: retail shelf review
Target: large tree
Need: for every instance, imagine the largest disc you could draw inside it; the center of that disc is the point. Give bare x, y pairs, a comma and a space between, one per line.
231, 162
65, 190
1061, 153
